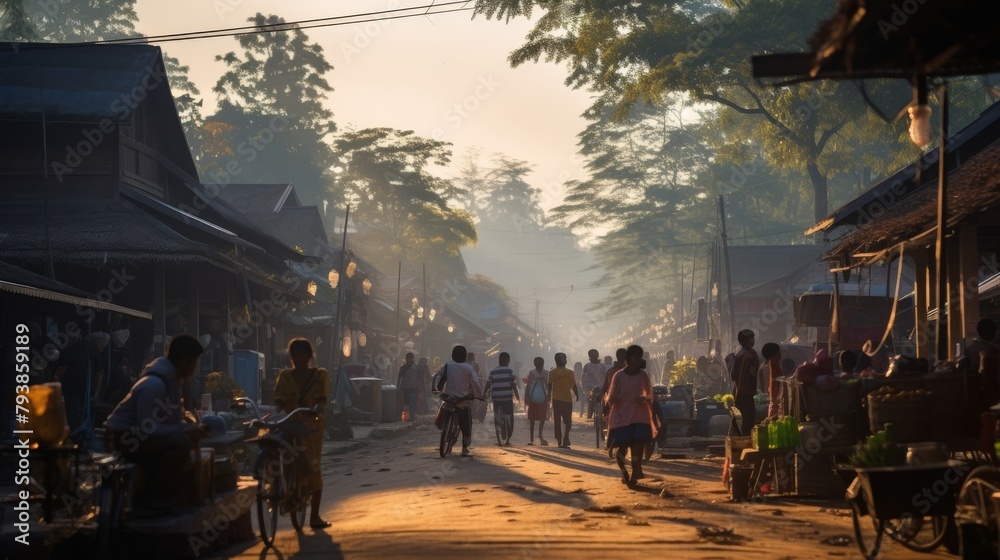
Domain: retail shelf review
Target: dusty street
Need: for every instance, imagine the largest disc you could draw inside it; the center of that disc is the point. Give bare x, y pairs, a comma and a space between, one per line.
398, 499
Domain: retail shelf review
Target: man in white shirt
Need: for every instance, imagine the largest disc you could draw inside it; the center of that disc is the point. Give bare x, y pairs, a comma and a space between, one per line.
458, 379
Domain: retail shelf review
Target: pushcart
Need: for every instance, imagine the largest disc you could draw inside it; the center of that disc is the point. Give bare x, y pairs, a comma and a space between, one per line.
913, 504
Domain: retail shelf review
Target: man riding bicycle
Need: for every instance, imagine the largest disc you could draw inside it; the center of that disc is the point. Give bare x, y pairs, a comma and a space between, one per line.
458, 379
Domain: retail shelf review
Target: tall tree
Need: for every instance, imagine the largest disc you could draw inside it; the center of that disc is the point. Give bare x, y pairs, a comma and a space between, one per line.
84, 20
188, 101
642, 51
472, 180
399, 205
272, 116
510, 202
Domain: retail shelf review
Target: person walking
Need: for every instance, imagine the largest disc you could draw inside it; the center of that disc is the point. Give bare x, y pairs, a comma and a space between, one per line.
631, 426
771, 353
408, 381
743, 373
537, 394
304, 386
593, 378
562, 388
502, 385
458, 379
424, 384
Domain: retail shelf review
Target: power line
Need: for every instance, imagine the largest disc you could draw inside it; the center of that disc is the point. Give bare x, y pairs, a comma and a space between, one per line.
332, 21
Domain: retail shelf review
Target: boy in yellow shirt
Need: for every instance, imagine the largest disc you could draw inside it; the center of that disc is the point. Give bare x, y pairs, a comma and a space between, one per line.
562, 387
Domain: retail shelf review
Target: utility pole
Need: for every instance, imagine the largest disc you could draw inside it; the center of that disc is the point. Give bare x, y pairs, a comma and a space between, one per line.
399, 287
427, 309
729, 273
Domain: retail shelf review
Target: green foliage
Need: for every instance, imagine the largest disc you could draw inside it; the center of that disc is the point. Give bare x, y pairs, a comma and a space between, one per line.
272, 120
218, 382
63, 21
684, 372
399, 205
634, 53
727, 399
879, 450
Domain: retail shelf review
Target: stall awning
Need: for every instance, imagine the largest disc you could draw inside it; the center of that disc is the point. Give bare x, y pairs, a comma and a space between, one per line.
40, 293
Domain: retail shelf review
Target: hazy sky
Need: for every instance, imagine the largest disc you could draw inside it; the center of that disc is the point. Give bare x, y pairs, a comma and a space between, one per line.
443, 76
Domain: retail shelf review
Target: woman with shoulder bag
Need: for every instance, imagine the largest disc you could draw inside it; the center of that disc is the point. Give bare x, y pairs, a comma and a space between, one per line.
537, 397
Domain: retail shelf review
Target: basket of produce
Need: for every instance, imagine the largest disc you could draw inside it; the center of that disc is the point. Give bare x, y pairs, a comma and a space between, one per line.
908, 411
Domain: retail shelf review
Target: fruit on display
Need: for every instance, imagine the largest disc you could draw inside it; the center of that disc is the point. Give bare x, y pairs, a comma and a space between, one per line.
879, 450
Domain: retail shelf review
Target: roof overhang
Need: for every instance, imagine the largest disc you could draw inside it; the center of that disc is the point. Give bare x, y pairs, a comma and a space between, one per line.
40, 293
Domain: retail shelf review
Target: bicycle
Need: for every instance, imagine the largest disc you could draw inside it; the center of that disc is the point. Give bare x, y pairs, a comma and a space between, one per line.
276, 471
599, 422
449, 421
503, 424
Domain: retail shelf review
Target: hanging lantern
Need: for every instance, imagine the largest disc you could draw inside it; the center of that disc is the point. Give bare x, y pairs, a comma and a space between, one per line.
334, 278
119, 338
415, 302
920, 124
451, 328
351, 269
431, 314
420, 312
346, 343
366, 285
362, 339
411, 320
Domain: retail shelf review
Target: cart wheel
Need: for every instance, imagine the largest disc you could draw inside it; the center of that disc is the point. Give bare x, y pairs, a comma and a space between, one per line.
869, 551
974, 499
922, 534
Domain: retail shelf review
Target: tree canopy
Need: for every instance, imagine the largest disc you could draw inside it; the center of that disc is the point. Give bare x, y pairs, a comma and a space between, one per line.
400, 208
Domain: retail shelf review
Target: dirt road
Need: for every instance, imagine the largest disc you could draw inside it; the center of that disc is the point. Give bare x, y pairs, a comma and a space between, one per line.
399, 499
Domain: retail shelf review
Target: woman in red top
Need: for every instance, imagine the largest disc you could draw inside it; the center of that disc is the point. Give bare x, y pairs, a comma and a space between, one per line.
631, 418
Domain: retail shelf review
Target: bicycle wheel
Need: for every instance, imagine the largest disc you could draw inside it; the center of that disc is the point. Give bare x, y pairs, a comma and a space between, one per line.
298, 502
269, 494
868, 550
922, 534
446, 435
599, 424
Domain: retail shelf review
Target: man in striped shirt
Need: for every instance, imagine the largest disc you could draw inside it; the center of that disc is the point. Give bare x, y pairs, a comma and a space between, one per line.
504, 386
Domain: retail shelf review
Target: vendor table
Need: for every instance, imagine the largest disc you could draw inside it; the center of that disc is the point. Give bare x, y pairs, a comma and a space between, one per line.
760, 459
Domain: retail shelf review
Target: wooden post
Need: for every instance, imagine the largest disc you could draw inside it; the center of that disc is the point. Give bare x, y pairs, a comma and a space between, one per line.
968, 281
941, 333
955, 314
920, 303
729, 274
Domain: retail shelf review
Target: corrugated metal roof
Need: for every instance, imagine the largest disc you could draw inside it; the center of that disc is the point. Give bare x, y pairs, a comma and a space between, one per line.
75, 83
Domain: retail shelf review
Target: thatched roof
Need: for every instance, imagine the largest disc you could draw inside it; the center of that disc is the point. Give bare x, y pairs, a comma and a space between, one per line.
889, 191
92, 232
973, 188
892, 38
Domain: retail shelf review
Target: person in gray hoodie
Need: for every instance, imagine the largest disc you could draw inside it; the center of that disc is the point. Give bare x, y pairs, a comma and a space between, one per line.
148, 426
